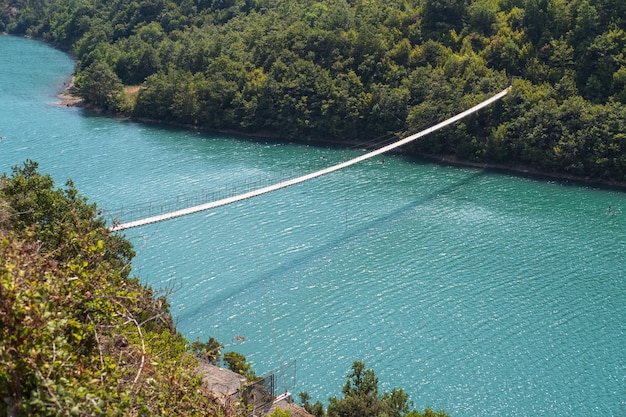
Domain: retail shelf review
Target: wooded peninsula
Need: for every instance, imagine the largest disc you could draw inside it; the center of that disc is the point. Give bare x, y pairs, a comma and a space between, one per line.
361, 71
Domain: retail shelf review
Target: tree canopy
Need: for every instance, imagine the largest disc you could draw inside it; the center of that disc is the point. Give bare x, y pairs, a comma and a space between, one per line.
362, 399
358, 70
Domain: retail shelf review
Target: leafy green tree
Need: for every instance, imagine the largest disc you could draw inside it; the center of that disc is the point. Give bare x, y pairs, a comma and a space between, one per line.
99, 86
428, 412
156, 96
211, 350
361, 398
137, 63
442, 16
398, 402
236, 362
316, 409
217, 93
482, 16
361, 381
604, 57
536, 20
586, 27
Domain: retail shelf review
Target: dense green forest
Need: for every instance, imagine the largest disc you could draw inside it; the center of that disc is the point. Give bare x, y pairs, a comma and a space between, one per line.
360, 71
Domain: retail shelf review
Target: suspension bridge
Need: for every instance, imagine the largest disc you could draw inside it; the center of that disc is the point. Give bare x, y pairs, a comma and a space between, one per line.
117, 226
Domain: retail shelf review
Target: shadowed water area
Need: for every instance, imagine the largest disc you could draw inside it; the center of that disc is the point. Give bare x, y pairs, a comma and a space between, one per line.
480, 293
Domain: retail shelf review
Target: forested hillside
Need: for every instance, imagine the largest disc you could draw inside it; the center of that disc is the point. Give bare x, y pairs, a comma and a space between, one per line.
360, 70
78, 336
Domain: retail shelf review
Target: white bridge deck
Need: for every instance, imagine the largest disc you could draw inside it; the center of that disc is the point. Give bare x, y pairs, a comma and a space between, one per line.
207, 206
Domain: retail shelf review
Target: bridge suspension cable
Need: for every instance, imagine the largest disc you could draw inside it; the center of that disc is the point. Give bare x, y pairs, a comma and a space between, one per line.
264, 190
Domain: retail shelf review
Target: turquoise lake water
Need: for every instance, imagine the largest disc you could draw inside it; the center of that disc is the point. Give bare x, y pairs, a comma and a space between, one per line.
483, 294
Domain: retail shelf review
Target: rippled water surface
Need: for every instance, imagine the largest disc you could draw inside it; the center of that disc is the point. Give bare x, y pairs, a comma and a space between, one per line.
483, 294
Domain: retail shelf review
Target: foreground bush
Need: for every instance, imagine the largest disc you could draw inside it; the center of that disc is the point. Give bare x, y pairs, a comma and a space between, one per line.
77, 335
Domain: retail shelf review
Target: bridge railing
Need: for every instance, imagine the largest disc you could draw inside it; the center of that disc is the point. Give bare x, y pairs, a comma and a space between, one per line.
155, 208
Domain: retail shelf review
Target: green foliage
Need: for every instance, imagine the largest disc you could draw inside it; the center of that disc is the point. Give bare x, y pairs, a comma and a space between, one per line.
572, 136
210, 350
361, 382
101, 87
316, 409
65, 225
236, 362
361, 398
280, 413
77, 336
442, 16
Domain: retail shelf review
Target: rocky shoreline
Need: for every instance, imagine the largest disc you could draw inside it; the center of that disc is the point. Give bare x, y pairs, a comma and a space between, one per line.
68, 96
